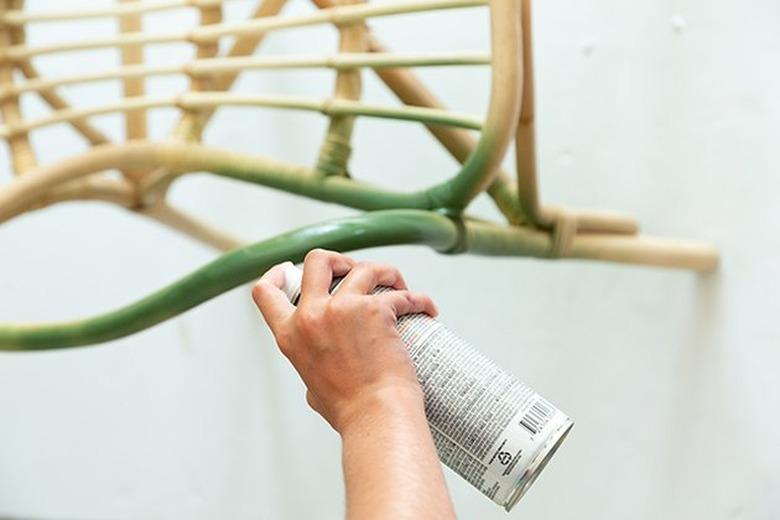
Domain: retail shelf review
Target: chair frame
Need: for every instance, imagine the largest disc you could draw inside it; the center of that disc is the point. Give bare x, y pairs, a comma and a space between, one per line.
434, 216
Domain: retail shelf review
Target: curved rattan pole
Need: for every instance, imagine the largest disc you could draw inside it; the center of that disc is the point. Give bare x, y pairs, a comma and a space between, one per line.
411, 90
96, 188
224, 66
525, 140
211, 33
91, 188
459, 143
480, 168
236, 268
196, 100
368, 230
184, 158
19, 17
121, 193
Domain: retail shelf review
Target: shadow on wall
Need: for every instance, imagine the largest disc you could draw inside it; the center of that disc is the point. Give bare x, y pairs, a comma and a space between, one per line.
704, 411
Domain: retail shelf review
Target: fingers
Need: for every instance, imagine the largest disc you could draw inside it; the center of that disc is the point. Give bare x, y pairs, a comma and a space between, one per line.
366, 276
319, 268
408, 302
270, 298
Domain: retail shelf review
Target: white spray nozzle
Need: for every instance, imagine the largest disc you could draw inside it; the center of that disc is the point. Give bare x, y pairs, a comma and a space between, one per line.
292, 281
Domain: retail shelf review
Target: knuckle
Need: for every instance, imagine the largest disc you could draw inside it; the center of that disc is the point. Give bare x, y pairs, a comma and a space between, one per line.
425, 302
395, 273
388, 274
308, 320
403, 301
345, 306
376, 307
376, 267
362, 266
391, 269
316, 254
326, 256
379, 272
337, 307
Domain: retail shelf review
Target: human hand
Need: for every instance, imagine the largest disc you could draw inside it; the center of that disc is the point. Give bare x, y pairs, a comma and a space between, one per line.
345, 345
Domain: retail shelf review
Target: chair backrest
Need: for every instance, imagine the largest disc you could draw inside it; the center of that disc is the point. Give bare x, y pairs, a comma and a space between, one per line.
211, 75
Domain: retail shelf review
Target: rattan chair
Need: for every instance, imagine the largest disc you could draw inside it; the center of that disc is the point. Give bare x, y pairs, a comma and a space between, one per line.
434, 216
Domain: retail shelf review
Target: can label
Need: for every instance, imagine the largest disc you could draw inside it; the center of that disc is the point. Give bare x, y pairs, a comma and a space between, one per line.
488, 427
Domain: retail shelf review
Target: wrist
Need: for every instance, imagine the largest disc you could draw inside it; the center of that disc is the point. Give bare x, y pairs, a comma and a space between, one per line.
382, 405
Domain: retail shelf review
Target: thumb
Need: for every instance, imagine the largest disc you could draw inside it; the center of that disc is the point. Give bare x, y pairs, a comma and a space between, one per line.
270, 299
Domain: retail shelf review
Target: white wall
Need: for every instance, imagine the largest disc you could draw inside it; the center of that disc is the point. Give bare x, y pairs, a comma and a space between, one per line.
668, 110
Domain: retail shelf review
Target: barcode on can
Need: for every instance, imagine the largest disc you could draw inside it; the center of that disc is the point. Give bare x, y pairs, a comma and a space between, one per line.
537, 416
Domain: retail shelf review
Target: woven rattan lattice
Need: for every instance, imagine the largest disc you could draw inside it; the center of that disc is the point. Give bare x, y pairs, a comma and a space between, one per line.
433, 216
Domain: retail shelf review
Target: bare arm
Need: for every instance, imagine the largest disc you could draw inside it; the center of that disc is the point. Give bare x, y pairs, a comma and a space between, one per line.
390, 464
360, 379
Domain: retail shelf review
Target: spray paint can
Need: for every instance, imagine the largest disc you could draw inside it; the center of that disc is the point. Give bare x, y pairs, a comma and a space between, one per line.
487, 426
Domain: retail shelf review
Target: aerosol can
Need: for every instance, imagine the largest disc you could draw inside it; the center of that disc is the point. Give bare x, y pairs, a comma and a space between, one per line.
488, 427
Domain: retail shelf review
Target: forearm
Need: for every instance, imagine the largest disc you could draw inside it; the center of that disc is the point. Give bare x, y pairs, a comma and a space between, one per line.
390, 463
